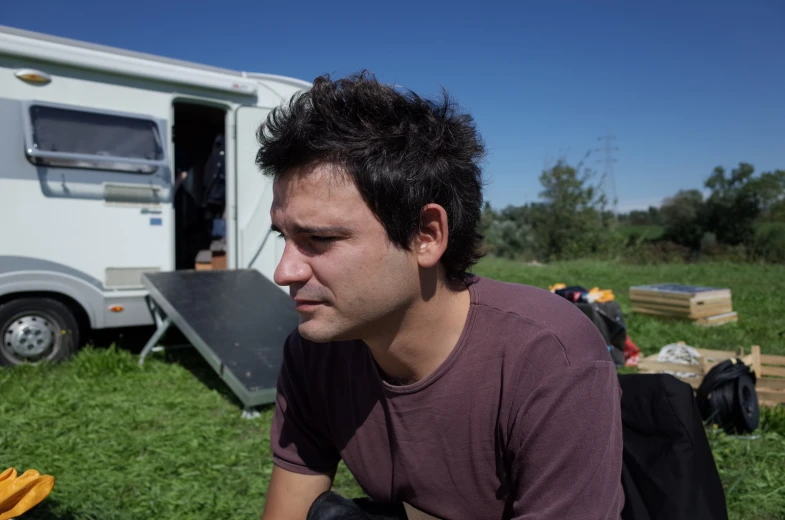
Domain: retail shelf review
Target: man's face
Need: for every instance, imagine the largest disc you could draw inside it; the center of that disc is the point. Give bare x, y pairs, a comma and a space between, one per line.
346, 278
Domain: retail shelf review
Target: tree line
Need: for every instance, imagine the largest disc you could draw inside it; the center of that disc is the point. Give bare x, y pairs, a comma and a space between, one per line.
737, 216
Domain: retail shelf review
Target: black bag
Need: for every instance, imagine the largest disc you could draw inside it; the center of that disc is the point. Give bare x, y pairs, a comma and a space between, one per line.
609, 320
332, 506
606, 316
668, 470
727, 397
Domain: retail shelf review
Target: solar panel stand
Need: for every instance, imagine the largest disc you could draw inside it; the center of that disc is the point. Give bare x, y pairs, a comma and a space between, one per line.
162, 323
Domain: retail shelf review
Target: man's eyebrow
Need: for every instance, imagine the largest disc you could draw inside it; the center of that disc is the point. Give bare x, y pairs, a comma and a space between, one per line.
318, 230
322, 230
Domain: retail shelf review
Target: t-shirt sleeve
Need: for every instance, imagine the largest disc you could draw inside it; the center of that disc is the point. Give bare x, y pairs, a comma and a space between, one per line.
565, 446
298, 439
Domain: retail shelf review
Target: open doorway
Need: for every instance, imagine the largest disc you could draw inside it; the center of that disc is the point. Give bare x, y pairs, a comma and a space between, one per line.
200, 186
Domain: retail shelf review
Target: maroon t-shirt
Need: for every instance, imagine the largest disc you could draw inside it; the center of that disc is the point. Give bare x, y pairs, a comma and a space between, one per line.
522, 420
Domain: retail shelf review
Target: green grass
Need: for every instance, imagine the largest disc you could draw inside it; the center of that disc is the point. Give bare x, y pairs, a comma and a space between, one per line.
167, 441
125, 442
765, 226
646, 232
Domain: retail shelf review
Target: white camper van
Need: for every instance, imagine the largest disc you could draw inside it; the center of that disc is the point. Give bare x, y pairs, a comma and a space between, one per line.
113, 164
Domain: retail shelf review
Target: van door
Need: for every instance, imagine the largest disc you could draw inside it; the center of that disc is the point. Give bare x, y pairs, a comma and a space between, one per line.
257, 246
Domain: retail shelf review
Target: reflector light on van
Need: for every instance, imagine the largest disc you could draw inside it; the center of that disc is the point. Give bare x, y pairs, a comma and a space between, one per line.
33, 76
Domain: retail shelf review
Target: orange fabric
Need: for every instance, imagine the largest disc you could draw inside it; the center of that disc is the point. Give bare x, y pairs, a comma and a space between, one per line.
19, 494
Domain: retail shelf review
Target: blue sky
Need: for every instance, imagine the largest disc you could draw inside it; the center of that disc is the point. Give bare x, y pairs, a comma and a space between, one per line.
684, 88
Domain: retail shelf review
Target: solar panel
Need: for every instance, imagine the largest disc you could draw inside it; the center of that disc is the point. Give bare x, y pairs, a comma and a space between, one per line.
237, 319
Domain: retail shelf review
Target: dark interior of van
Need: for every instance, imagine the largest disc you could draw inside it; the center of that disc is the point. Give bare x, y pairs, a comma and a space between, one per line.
200, 186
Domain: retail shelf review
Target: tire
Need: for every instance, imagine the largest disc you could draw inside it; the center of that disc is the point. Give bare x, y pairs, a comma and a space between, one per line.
33, 330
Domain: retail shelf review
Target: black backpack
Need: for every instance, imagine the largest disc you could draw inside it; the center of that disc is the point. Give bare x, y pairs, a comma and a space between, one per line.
606, 316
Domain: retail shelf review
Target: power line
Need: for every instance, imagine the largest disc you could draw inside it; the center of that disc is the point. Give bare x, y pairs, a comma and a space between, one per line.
608, 161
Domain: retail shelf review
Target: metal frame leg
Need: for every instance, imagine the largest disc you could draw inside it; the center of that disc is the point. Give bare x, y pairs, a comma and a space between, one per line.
162, 323
250, 413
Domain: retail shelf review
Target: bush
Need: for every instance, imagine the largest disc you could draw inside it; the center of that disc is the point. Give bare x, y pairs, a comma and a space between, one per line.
724, 253
768, 245
683, 218
708, 240
659, 252
508, 239
609, 245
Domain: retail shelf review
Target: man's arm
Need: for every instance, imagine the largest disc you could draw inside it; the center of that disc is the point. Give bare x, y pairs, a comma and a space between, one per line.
305, 457
290, 495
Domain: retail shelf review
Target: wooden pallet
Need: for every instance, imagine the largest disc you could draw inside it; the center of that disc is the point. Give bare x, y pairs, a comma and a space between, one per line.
706, 312
717, 319
769, 371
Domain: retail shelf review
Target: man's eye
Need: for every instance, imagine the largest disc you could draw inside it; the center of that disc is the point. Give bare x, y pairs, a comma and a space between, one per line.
279, 234
317, 238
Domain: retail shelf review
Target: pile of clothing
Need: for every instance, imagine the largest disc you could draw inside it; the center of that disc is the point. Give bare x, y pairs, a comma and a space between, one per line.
601, 307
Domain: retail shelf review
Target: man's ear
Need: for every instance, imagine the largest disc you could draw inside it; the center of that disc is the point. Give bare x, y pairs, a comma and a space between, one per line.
431, 240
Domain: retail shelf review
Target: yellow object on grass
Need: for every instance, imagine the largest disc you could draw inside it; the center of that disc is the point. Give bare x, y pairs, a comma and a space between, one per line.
19, 494
605, 295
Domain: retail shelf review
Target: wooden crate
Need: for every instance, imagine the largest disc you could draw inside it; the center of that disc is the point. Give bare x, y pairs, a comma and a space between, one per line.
683, 301
676, 293
771, 382
769, 370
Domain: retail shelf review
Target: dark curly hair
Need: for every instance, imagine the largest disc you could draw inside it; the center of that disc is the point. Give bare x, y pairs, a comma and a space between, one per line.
402, 152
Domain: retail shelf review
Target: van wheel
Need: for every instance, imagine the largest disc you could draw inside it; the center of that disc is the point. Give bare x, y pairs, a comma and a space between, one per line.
36, 329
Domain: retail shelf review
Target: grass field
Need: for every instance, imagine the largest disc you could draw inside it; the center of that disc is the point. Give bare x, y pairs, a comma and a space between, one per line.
167, 440
654, 232
646, 232
766, 226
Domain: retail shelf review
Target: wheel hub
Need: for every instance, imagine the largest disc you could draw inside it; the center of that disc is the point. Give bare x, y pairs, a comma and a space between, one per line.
29, 336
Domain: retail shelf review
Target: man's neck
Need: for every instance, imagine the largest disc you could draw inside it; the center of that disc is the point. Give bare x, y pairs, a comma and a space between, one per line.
424, 336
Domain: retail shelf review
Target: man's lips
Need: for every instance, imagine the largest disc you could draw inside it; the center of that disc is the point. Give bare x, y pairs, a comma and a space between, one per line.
304, 305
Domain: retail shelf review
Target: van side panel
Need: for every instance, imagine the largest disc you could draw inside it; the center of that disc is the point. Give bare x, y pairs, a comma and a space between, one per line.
20, 275
78, 217
108, 225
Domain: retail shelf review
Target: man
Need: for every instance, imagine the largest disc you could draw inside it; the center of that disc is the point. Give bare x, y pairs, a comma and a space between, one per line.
462, 396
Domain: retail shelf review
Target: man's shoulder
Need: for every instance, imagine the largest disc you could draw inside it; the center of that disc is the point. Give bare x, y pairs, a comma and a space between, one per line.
531, 303
538, 313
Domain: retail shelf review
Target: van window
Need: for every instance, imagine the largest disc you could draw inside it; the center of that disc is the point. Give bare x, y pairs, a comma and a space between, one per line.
82, 139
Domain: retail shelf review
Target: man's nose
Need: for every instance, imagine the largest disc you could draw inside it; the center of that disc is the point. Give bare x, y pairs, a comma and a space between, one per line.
293, 267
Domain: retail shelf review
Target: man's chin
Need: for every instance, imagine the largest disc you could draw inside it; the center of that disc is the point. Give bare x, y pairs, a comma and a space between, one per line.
315, 333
